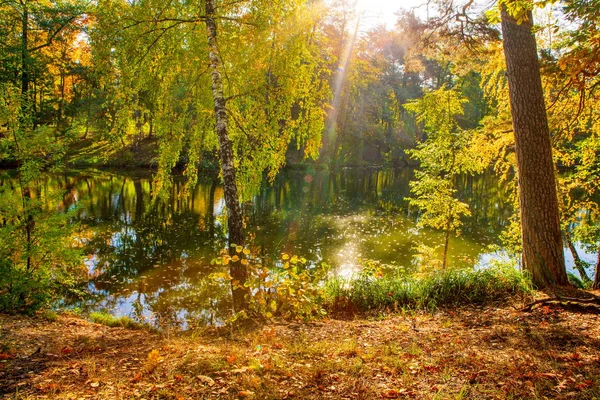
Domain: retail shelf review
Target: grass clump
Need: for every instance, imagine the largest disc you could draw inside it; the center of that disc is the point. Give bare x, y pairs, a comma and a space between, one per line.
366, 292
49, 315
112, 321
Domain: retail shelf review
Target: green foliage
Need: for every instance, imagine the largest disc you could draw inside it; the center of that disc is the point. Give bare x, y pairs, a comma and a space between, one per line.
39, 255
110, 320
290, 289
22, 291
50, 315
443, 155
576, 281
428, 292
274, 82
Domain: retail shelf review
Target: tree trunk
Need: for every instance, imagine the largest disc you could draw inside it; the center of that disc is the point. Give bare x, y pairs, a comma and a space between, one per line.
234, 213
597, 272
540, 228
24, 53
446, 242
579, 263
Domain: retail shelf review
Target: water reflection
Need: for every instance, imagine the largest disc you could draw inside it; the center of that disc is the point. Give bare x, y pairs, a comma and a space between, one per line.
151, 260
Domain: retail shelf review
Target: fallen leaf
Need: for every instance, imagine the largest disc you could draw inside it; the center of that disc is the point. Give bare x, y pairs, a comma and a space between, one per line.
206, 379
137, 377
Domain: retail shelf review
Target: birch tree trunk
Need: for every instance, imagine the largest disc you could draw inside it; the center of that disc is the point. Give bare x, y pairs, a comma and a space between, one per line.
234, 213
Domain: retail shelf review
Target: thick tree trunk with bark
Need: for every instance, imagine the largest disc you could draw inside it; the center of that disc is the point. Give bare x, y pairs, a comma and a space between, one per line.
542, 242
234, 212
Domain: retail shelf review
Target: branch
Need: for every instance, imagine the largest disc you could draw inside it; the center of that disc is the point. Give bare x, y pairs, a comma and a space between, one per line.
53, 35
156, 39
200, 18
246, 93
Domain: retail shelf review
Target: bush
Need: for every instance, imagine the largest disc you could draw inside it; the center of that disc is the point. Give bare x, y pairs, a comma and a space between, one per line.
443, 288
289, 289
22, 291
25, 292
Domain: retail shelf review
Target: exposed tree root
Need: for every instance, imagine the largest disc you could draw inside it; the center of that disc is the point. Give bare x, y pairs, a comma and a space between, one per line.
588, 305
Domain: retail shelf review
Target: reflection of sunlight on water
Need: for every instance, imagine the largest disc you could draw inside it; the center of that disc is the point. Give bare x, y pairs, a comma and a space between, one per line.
487, 259
348, 256
347, 260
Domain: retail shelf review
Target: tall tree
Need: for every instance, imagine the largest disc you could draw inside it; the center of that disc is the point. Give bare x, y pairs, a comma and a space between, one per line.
442, 156
246, 85
234, 212
540, 226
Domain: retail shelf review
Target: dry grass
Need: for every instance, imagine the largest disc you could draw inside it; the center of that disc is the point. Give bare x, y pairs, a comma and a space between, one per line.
467, 353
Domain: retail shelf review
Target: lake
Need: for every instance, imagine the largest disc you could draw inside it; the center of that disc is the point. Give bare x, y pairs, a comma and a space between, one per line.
151, 260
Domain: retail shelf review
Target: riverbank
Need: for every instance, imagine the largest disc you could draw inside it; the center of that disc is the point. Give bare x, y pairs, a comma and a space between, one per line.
496, 351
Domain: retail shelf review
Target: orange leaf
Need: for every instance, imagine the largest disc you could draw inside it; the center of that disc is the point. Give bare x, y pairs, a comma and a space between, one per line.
137, 377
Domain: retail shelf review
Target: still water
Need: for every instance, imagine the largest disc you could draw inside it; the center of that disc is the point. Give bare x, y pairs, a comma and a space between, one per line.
151, 260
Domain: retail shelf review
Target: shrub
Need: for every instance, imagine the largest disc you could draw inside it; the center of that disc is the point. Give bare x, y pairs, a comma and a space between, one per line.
289, 289
22, 291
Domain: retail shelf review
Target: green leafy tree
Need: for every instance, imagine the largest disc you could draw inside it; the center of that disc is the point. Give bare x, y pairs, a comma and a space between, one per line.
240, 78
442, 156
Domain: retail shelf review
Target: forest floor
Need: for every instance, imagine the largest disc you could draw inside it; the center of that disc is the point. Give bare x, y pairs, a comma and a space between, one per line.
470, 352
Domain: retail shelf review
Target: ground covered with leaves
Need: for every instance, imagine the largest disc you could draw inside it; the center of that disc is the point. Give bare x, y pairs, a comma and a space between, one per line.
493, 352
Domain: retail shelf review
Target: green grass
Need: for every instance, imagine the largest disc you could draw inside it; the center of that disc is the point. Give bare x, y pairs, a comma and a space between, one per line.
50, 315
110, 320
439, 289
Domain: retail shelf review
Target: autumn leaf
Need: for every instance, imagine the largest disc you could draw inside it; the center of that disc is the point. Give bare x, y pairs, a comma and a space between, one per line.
136, 378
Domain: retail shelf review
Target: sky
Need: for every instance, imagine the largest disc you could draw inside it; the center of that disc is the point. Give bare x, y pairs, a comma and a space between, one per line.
376, 12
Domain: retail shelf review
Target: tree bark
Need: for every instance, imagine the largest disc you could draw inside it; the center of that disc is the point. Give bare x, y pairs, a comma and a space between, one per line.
540, 228
24, 52
234, 212
597, 272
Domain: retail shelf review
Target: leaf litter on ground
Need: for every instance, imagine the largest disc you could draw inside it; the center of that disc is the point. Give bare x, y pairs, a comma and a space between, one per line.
491, 352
